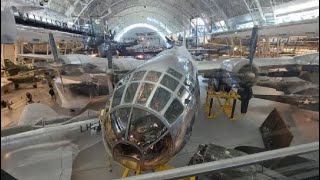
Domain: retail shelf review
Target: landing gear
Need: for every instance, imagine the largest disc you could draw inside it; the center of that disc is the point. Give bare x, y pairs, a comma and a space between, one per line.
245, 96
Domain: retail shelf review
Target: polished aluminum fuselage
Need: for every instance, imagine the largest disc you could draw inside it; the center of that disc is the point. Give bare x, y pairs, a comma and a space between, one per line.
174, 76
48, 152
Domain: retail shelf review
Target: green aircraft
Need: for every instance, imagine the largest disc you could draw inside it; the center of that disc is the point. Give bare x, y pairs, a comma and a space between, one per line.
19, 74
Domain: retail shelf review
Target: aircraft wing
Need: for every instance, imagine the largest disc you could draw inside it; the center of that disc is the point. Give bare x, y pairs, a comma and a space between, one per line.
36, 56
289, 85
40, 162
46, 153
204, 66
266, 63
35, 113
307, 59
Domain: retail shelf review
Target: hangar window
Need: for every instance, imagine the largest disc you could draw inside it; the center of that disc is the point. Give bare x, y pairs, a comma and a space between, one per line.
160, 99
138, 76
144, 128
117, 97
144, 93
153, 76
174, 111
184, 95
169, 82
119, 122
174, 73
131, 91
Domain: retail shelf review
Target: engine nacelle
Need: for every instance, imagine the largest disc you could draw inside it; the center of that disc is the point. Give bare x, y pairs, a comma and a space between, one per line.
239, 73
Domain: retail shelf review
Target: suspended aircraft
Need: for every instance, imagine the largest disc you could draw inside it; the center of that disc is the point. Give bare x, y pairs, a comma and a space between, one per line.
154, 106
82, 77
8, 24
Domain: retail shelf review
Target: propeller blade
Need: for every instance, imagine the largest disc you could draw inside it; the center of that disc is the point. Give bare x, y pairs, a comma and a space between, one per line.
253, 44
245, 96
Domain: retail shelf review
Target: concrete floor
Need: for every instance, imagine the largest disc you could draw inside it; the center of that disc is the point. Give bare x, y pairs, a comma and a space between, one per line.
221, 131
18, 97
39, 94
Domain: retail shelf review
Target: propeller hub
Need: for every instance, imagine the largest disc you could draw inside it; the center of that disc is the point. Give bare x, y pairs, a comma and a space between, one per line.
250, 76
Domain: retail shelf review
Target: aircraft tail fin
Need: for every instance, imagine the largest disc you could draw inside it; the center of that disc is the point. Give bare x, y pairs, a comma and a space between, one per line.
10, 68
9, 64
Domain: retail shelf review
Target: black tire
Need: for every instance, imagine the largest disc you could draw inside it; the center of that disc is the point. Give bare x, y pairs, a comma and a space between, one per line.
34, 86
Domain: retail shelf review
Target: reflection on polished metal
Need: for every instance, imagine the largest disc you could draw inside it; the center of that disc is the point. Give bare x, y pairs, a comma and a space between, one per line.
228, 163
153, 110
154, 106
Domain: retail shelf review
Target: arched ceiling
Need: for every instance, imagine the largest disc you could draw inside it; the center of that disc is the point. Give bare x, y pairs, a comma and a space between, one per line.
172, 15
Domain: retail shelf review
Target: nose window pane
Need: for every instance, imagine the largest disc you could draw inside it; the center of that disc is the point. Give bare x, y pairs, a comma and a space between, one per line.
117, 97
160, 99
174, 73
138, 76
144, 128
159, 150
174, 111
153, 76
119, 121
131, 91
144, 93
169, 82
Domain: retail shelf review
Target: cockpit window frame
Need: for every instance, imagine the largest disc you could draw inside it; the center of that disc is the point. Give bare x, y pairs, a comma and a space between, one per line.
175, 100
127, 90
113, 98
169, 77
149, 94
160, 119
149, 73
174, 73
140, 78
156, 90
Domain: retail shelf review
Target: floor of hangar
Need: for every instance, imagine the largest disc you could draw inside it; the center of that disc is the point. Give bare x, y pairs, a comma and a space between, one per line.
39, 94
18, 97
221, 131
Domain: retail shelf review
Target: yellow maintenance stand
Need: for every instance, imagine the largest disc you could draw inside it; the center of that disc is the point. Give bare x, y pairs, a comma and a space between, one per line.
227, 107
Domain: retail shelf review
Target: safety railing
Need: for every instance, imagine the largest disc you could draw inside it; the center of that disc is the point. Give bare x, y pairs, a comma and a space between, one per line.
236, 162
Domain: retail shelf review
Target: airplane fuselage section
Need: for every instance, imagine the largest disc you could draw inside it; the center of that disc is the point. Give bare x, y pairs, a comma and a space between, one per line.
152, 111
